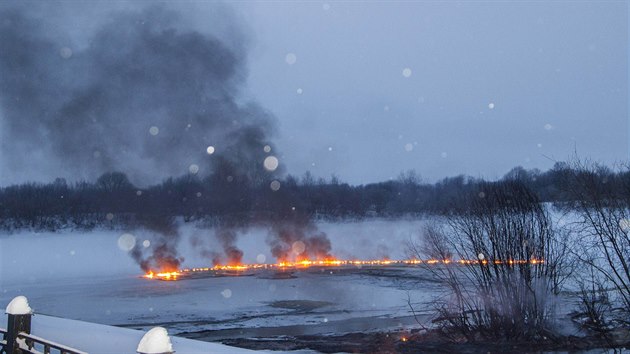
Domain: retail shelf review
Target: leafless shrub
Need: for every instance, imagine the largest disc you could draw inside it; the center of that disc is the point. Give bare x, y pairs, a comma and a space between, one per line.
506, 264
601, 199
594, 308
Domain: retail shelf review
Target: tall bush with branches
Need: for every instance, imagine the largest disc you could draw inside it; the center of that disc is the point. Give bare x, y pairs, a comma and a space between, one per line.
601, 199
506, 264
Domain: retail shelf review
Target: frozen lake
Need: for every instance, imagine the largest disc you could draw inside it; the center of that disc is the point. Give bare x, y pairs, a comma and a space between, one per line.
87, 276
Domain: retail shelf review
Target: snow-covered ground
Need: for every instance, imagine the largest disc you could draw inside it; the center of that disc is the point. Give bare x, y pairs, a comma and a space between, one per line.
87, 276
100, 339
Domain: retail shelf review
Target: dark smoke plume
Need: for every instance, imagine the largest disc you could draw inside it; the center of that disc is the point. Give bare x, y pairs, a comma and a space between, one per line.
145, 95
161, 254
298, 239
142, 92
233, 255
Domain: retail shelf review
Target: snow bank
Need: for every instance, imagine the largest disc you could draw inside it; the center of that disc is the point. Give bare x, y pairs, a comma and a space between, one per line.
95, 338
156, 341
18, 306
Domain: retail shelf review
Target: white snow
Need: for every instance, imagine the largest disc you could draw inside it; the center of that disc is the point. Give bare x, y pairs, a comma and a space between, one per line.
19, 306
96, 339
155, 341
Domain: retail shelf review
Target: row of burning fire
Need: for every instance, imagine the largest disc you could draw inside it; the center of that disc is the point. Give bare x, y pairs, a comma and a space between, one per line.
175, 274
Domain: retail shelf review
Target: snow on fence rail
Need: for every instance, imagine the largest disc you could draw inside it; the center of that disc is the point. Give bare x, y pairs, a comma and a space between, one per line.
30, 344
17, 338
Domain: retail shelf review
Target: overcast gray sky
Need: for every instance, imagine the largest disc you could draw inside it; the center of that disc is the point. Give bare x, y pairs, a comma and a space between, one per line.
364, 90
554, 73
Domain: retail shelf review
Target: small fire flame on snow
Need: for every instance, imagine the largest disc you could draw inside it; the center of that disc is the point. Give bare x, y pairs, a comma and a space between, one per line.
302, 264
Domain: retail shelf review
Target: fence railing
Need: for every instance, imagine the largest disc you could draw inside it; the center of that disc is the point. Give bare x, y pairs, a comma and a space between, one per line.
37, 345
17, 338
3, 342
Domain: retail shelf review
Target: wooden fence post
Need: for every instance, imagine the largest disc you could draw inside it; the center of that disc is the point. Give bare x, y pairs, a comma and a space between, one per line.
19, 320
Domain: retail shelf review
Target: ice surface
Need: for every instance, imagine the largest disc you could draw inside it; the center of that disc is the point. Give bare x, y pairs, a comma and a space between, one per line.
100, 283
18, 306
76, 254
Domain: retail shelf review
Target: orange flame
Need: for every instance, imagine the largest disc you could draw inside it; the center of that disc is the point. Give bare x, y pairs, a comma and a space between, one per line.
305, 263
163, 275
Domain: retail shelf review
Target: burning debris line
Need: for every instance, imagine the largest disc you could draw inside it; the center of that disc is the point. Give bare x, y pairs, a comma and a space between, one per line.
240, 269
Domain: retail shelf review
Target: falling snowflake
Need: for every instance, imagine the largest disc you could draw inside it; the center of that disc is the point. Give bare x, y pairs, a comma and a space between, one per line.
298, 247
126, 242
271, 163
227, 293
291, 58
65, 52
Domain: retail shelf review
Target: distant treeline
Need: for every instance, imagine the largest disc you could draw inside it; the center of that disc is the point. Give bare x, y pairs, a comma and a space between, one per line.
112, 199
